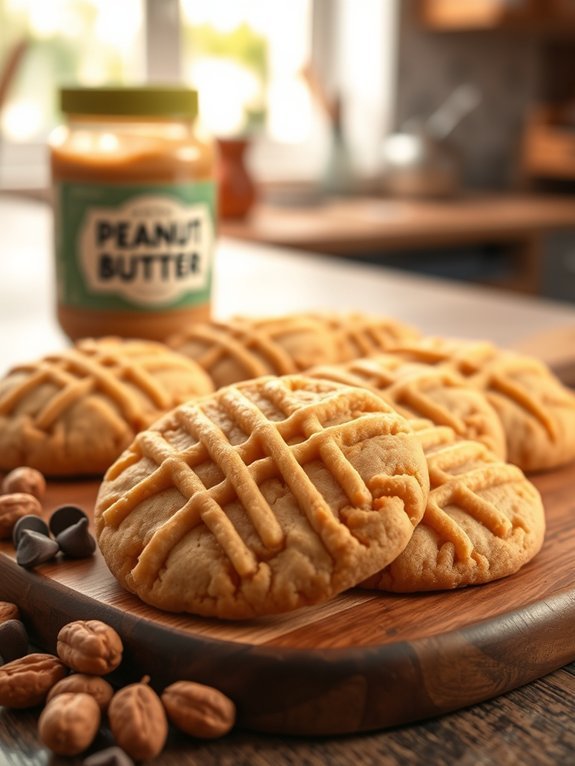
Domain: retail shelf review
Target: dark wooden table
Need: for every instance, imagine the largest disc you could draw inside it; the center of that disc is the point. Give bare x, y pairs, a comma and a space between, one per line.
532, 726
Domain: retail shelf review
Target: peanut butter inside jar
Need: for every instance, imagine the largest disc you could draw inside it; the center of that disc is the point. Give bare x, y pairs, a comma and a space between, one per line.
134, 212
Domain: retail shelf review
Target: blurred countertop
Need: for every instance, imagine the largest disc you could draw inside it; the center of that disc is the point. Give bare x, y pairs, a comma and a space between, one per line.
358, 224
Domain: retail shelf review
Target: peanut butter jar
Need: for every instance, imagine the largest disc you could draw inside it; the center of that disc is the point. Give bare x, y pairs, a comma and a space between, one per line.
134, 212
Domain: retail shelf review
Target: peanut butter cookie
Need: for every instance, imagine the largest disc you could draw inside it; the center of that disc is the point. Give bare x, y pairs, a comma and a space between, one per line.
536, 410
73, 412
484, 520
242, 348
421, 391
263, 497
359, 335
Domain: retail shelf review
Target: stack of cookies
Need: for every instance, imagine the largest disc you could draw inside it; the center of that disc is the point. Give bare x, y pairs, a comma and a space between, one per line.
256, 466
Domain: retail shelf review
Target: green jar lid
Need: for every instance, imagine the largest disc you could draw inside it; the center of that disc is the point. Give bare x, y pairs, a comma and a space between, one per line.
144, 101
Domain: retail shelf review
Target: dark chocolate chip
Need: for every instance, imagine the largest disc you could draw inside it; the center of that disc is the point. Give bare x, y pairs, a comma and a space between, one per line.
75, 541
65, 516
111, 756
30, 521
35, 548
13, 640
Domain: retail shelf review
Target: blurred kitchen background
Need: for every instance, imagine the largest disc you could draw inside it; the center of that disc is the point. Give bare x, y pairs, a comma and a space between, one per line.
434, 136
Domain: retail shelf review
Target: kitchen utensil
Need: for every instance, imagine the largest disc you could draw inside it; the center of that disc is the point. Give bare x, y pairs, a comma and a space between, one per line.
338, 176
418, 161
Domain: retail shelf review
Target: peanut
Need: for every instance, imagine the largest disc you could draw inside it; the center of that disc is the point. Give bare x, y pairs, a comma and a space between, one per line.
25, 479
13, 507
138, 721
199, 710
90, 647
25, 682
8, 611
69, 723
95, 686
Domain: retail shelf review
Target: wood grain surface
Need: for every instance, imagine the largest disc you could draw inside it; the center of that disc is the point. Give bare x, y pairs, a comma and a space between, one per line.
363, 661
531, 726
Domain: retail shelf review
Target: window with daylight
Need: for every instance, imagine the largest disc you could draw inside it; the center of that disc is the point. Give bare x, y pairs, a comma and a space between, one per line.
47, 43
263, 69
255, 52
87, 41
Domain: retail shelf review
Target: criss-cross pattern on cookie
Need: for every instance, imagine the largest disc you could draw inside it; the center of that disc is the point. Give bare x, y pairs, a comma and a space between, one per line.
407, 387
93, 366
509, 382
360, 335
239, 343
458, 471
421, 391
514, 377
256, 346
483, 520
284, 429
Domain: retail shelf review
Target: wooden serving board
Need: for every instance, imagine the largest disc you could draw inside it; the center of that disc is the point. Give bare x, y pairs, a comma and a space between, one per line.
361, 662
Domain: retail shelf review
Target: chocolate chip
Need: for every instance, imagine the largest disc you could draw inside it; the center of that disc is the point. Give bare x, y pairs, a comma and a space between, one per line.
75, 541
111, 756
13, 640
35, 548
65, 516
29, 522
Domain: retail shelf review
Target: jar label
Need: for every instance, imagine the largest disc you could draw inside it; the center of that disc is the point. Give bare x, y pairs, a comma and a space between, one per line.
144, 247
